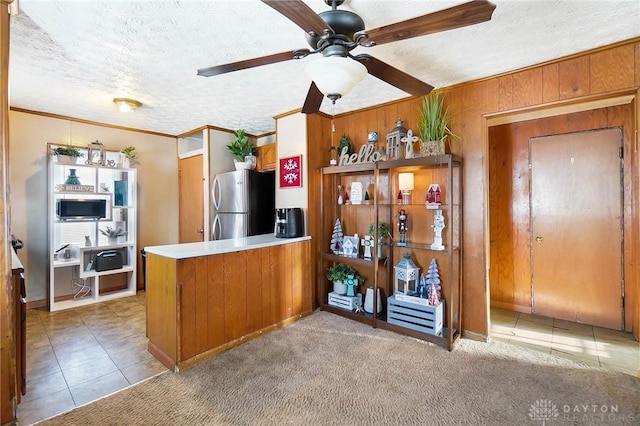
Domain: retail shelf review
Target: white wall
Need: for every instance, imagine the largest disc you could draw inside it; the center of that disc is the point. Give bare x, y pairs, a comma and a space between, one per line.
291, 132
157, 185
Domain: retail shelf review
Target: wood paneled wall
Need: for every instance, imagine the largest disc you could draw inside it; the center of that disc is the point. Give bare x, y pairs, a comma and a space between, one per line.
603, 72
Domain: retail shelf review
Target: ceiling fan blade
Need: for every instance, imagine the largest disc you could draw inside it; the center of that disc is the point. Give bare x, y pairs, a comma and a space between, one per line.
313, 101
300, 14
462, 15
250, 63
394, 76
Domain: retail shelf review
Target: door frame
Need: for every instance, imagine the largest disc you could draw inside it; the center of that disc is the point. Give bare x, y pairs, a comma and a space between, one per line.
585, 103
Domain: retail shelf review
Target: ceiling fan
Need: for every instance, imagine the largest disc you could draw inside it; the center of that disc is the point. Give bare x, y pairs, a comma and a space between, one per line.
334, 33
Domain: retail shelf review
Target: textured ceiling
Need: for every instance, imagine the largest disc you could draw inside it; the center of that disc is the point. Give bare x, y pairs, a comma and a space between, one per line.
72, 57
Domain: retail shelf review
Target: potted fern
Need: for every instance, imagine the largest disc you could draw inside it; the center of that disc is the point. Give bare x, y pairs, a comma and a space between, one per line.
67, 154
243, 151
434, 124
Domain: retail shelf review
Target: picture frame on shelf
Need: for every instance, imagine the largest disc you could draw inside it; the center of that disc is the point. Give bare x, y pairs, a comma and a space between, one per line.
291, 171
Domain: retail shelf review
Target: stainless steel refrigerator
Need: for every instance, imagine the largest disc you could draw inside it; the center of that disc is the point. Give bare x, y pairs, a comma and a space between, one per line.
243, 204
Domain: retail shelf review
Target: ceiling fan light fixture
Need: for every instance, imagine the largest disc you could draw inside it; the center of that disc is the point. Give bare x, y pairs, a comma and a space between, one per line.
335, 76
126, 104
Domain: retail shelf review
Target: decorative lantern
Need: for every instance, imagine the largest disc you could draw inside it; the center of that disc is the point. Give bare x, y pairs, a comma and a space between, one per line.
406, 275
393, 140
96, 153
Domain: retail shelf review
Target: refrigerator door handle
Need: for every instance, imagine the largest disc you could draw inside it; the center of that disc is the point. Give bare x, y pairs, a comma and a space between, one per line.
215, 228
215, 193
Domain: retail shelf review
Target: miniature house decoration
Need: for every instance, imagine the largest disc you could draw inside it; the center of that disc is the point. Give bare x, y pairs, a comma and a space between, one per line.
350, 246
434, 196
406, 276
394, 137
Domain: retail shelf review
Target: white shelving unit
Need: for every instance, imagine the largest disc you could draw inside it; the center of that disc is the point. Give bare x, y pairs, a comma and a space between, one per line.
74, 242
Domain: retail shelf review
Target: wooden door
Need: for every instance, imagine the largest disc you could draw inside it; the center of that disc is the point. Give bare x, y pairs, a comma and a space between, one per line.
191, 201
576, 217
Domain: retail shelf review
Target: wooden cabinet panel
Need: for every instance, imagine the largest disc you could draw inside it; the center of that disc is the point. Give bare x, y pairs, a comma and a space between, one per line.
527, 88
253, 270
637, 61
612, 69
162, 304
266, 157
573, 77
215, 309
186, 283
235, 295
550, 83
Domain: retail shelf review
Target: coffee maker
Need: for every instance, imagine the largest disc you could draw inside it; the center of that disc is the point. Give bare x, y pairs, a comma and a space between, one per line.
289, 223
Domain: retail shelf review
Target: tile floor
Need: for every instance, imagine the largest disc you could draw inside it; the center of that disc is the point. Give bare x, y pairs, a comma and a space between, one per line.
599, 347
79, 355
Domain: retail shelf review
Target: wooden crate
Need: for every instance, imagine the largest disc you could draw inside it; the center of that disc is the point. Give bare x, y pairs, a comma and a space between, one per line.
426, 319
345, 302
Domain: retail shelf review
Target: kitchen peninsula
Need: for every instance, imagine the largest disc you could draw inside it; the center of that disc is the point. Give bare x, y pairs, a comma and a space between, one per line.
205, 298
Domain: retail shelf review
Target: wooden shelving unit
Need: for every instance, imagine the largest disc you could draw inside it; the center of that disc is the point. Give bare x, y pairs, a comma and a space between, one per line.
380, 181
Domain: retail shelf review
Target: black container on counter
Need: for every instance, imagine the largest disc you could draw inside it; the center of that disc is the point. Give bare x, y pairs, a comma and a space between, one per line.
289, 223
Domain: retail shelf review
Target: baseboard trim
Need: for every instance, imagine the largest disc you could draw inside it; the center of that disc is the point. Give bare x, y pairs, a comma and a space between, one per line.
33, 304
511, 307
472, 335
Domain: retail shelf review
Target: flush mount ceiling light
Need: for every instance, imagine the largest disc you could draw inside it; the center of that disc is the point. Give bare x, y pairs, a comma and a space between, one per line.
126, 104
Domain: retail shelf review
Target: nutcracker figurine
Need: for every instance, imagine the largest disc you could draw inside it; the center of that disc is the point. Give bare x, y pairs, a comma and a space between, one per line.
402, 228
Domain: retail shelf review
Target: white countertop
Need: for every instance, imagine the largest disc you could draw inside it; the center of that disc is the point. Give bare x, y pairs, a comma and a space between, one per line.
184, 251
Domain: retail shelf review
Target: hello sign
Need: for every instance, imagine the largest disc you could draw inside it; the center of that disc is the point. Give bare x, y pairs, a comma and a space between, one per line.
367, 154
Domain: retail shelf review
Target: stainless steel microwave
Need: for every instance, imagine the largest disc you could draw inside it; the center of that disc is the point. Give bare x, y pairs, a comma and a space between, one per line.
78, 209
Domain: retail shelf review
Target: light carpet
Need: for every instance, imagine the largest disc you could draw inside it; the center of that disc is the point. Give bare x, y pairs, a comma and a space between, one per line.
328, 370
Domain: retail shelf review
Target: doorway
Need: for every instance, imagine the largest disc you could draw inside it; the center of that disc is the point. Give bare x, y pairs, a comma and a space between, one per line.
577, 227
509, 209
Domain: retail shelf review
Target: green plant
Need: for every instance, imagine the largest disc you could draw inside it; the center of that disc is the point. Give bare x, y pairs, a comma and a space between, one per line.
129, 152
344, 142
340, 272
383, 230
113, 233
241, 147
68, 150
435, 119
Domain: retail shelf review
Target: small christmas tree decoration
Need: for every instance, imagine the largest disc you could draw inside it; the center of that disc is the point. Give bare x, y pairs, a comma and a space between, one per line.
432, 278
421, 291
336, 238
366, 197
434, 299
